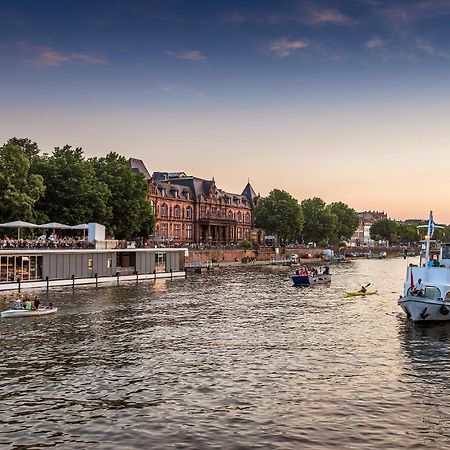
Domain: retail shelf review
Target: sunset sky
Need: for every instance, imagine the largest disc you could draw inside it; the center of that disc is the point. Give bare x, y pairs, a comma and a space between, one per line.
345, 100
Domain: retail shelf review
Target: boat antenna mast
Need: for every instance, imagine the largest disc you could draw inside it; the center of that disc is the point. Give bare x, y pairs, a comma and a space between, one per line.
430, 231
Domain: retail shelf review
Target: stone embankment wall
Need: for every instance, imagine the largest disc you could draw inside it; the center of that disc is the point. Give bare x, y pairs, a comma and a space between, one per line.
266, 254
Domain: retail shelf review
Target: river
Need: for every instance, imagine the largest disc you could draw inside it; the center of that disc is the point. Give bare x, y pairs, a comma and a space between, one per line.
234, 359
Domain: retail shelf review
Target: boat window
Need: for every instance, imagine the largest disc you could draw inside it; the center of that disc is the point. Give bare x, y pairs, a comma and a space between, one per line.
432, 293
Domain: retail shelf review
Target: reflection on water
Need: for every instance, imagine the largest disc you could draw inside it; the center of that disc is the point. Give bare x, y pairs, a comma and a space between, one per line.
233, 359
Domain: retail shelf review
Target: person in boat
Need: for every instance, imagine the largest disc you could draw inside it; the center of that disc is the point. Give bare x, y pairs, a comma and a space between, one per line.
419, 288
36, 303
363, 289
28, 305
326, 270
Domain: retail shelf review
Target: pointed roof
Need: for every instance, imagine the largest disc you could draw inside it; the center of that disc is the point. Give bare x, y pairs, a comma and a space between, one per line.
137, 165
250, 194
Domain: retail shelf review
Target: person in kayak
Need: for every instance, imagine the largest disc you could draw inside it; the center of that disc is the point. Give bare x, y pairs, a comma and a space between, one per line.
363, 290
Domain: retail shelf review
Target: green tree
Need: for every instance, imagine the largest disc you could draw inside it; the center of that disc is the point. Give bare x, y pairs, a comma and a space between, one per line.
132, 214
347, 221
384, 229
73, 194
279, 214
320, 221
29, 149
19, 189
407, 233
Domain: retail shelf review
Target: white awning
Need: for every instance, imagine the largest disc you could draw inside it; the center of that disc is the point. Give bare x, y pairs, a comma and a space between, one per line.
54, 225
19, 224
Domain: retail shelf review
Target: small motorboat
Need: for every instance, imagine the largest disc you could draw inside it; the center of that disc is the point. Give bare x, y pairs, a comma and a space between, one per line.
360, 293
27, 313
311, 280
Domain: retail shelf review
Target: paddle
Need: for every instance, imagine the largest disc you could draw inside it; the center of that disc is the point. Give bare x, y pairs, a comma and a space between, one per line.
366, 286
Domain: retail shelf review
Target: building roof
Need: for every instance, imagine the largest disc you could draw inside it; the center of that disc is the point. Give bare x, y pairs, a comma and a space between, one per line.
250, 194
138, 166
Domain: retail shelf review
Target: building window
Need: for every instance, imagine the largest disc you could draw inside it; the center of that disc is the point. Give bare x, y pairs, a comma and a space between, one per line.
247, 217
239, 233
24, 267
247, 234
164, 210
239, 217
109, 263
189, 231
90, 264
164, 230
188, 212
202, 212
213, 212
177, 212
177, 231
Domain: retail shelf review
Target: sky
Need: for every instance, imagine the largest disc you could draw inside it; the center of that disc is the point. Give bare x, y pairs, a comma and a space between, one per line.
345, 100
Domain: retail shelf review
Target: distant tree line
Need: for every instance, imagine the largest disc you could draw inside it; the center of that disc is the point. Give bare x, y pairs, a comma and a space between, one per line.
404, 233
312, 220
66, 187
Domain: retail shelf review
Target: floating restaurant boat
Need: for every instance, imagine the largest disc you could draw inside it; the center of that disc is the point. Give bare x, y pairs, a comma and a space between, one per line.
432, 301
48, 267
28, 313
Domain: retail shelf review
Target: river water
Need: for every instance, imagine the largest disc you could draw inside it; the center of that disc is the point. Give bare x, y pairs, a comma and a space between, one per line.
235, 359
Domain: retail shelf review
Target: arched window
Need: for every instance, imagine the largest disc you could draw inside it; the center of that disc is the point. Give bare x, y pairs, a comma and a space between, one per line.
239, 217
247, 217
177, 212
164, 210
189, 212
230, 215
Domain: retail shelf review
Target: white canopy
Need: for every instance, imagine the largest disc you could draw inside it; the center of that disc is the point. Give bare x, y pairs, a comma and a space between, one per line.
54, 225
81, 226
19, 224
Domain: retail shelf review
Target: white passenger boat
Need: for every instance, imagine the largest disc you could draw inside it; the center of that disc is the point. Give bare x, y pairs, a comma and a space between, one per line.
28, 313
432, 303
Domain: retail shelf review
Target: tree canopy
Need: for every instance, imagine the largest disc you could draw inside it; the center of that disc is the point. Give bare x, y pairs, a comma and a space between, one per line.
347, 220
74, 194
280, 214
19, 188
384, 229
131, 211
320, 221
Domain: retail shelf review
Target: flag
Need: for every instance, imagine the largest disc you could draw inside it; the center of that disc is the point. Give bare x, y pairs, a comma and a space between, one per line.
431, 225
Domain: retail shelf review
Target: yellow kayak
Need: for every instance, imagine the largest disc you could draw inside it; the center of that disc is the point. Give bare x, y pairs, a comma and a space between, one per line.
358, 293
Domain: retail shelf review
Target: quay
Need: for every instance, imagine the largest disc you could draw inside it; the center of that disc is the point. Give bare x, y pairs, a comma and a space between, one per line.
45, 268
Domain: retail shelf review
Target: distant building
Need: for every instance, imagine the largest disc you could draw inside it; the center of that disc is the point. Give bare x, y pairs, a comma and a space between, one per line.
192, 210
361, 238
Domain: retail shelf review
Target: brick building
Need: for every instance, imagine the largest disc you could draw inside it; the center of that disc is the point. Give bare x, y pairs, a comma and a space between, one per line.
192, 210
362, 234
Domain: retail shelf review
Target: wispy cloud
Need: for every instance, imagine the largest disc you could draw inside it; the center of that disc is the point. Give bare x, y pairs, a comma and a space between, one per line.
375, 42
329, 16
430, 49
47, 57
285, 47
174, 89
189, 55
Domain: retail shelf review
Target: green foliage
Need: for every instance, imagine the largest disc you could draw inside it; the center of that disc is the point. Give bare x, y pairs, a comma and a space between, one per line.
19, 189
73, 193
29, 149
407, 233
347, 220
280, 214
132, 214
246, 244
384, 229
320, 221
